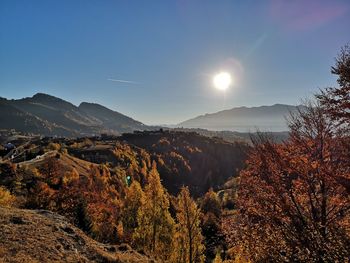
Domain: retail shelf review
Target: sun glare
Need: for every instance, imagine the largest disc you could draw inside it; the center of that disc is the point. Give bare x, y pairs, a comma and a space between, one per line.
222, 81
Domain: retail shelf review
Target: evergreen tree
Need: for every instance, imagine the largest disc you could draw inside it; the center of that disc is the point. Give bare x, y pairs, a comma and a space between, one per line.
155, 228
83, 219
188, 245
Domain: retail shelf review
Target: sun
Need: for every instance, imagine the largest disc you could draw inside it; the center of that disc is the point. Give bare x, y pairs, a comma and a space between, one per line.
222, 81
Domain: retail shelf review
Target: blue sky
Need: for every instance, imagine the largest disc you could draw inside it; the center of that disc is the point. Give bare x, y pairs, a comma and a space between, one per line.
277, 52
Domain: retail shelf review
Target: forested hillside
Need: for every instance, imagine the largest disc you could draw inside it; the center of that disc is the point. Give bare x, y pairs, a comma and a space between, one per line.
190, 159
98, 183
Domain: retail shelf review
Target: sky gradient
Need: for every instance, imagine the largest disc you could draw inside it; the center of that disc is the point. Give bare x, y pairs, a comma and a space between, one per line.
166, 52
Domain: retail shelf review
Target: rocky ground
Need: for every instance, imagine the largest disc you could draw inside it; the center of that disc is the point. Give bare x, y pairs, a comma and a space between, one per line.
41, 236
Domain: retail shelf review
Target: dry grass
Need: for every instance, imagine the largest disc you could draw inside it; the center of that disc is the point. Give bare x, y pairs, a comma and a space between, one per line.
41, 236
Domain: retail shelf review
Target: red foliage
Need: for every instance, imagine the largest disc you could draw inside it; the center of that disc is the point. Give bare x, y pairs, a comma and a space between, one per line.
294, 199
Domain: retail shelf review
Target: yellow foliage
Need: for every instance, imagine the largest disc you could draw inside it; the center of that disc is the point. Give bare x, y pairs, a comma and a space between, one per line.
120, 230
217, 259
188, 241
6, 199
54, 146
238, 255
155, 228
70, 176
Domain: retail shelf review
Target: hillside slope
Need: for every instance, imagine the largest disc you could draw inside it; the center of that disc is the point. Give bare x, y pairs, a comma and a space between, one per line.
14, 118
110, 119
42, 236
190, 159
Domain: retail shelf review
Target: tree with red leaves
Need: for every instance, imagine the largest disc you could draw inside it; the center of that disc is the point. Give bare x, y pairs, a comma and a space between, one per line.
336, 100
294, 202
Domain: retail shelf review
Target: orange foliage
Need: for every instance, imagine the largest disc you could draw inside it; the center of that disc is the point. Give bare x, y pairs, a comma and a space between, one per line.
294, 199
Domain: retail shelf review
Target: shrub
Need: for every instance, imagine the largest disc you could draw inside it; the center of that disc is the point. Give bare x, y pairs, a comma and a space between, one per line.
54, 146
6, 198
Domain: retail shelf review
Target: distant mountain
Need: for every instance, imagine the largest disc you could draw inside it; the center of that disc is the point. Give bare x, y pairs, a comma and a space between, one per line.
244, 119
48, 115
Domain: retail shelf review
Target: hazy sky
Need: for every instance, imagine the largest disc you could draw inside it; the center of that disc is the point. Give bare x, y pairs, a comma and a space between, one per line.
166, 52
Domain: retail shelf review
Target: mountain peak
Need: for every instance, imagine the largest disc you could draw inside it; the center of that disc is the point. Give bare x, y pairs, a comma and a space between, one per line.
51, 101
44, 96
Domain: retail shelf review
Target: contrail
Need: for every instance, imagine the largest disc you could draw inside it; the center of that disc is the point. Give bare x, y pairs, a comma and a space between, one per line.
256, 45
123, 81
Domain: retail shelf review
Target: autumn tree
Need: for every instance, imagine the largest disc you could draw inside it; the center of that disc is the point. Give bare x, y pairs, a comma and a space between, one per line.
6, 198
188, 245
293, 200
155, 228
217, 259
134, 199
211, 203
51, 170
91, 201
103, 203
211, 224
336, 100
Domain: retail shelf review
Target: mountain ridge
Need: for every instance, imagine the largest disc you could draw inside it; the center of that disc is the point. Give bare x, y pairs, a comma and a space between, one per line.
244, 119
48, 115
